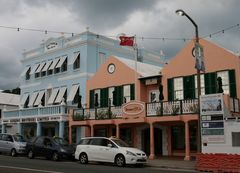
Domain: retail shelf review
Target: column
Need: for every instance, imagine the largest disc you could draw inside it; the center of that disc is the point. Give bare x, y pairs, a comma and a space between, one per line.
92, 130
56, 130
61, 129
70, 134
152, 152
187, 142
78, 134
19, 128
39, 128
117, 131
3, 128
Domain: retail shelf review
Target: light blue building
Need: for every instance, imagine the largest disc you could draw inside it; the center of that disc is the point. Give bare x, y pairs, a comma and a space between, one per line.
54, 80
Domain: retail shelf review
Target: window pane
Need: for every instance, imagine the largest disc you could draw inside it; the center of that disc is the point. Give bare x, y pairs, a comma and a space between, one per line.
225, 81
126, 93
178, 88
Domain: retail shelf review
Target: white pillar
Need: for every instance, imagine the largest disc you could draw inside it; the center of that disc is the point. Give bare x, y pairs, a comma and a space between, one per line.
3, 128
39, 128
19, 128
61, 129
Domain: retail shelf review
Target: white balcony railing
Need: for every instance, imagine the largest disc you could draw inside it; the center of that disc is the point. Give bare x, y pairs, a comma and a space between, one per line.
35, 111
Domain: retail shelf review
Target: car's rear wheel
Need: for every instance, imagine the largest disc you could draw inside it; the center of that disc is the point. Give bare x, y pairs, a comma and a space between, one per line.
83, 158
30, 154
13, 152
55, 156
120, 160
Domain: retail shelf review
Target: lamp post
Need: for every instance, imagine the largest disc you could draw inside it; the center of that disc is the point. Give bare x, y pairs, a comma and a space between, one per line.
180, 12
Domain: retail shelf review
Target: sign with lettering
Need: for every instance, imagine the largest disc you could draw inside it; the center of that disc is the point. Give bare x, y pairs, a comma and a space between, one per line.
51, 45
132, 109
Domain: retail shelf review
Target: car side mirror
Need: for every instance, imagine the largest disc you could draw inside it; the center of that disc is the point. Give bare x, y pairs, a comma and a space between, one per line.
110, 145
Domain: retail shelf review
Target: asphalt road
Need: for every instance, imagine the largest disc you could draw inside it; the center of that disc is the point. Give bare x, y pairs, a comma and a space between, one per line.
22, 164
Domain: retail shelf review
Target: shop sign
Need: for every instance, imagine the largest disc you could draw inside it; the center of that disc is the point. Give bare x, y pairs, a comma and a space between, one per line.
51, 45
133, 108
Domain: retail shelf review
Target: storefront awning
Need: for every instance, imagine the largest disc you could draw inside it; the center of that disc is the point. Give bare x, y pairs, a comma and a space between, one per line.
25, 71
24, 99
74, 57
53, 96
39, 98
34, 68
39, 69
72, 93
60, 95
55, 61
45, 68
60, 63
32, 99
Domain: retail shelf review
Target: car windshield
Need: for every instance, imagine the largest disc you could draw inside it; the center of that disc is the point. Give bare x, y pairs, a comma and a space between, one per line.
60, 141
18, 138
120, 143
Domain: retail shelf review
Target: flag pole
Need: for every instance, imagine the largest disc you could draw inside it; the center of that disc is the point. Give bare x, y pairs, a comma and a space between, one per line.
136, 56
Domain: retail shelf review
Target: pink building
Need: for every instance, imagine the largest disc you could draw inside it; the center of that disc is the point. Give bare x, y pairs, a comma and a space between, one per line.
153, 108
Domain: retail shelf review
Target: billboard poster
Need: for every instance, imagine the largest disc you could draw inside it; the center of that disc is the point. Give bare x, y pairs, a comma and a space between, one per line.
212, 121
211, 104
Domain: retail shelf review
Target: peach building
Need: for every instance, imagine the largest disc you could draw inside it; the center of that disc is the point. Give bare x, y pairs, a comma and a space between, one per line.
154, 108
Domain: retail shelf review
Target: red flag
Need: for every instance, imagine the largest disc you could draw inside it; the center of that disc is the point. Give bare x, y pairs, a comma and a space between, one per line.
126, 41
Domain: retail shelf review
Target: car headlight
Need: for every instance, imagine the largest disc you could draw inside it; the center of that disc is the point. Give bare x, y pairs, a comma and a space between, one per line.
130, 153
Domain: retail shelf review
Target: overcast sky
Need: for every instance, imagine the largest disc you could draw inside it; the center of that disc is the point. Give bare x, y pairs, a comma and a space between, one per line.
145, 18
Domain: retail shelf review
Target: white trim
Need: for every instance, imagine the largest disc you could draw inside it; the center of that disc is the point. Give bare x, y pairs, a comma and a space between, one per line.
60, 63
55, 61
72, 93
47, 66
39, 98
76, 76
53, 96
25, 71
60, 95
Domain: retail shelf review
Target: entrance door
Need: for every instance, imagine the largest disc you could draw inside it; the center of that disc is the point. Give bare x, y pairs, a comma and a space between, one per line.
157, 141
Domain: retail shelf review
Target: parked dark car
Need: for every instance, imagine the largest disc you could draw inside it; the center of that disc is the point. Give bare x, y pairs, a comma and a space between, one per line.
54, 148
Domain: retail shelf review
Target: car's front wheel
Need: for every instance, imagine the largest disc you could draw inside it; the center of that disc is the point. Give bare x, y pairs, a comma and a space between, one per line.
55, 156
30, 154
83, 158
13, 152
120, 160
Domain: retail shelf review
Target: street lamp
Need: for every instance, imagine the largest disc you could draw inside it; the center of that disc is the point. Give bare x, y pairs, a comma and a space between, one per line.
180, 12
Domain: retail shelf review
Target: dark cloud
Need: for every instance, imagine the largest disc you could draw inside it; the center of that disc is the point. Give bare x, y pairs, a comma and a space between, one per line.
145, 18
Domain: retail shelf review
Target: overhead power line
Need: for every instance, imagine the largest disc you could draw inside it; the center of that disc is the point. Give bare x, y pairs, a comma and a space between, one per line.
222, 31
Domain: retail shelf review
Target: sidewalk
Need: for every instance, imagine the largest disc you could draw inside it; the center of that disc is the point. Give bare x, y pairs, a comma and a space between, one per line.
172, 163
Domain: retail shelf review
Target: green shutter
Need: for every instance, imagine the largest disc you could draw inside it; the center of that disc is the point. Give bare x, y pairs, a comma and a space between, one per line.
210, 80
132, 92
119, 95
170, 89
189, 87
232, 83
104, 97
91, 99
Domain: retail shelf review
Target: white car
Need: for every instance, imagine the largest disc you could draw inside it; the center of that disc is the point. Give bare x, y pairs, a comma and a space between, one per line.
113, 150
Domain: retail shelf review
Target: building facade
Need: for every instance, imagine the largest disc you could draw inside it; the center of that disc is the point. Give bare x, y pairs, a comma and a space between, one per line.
54, 79
8, 102
158, 112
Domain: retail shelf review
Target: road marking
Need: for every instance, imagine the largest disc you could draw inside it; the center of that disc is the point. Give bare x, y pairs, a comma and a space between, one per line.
173, 169
28, 169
